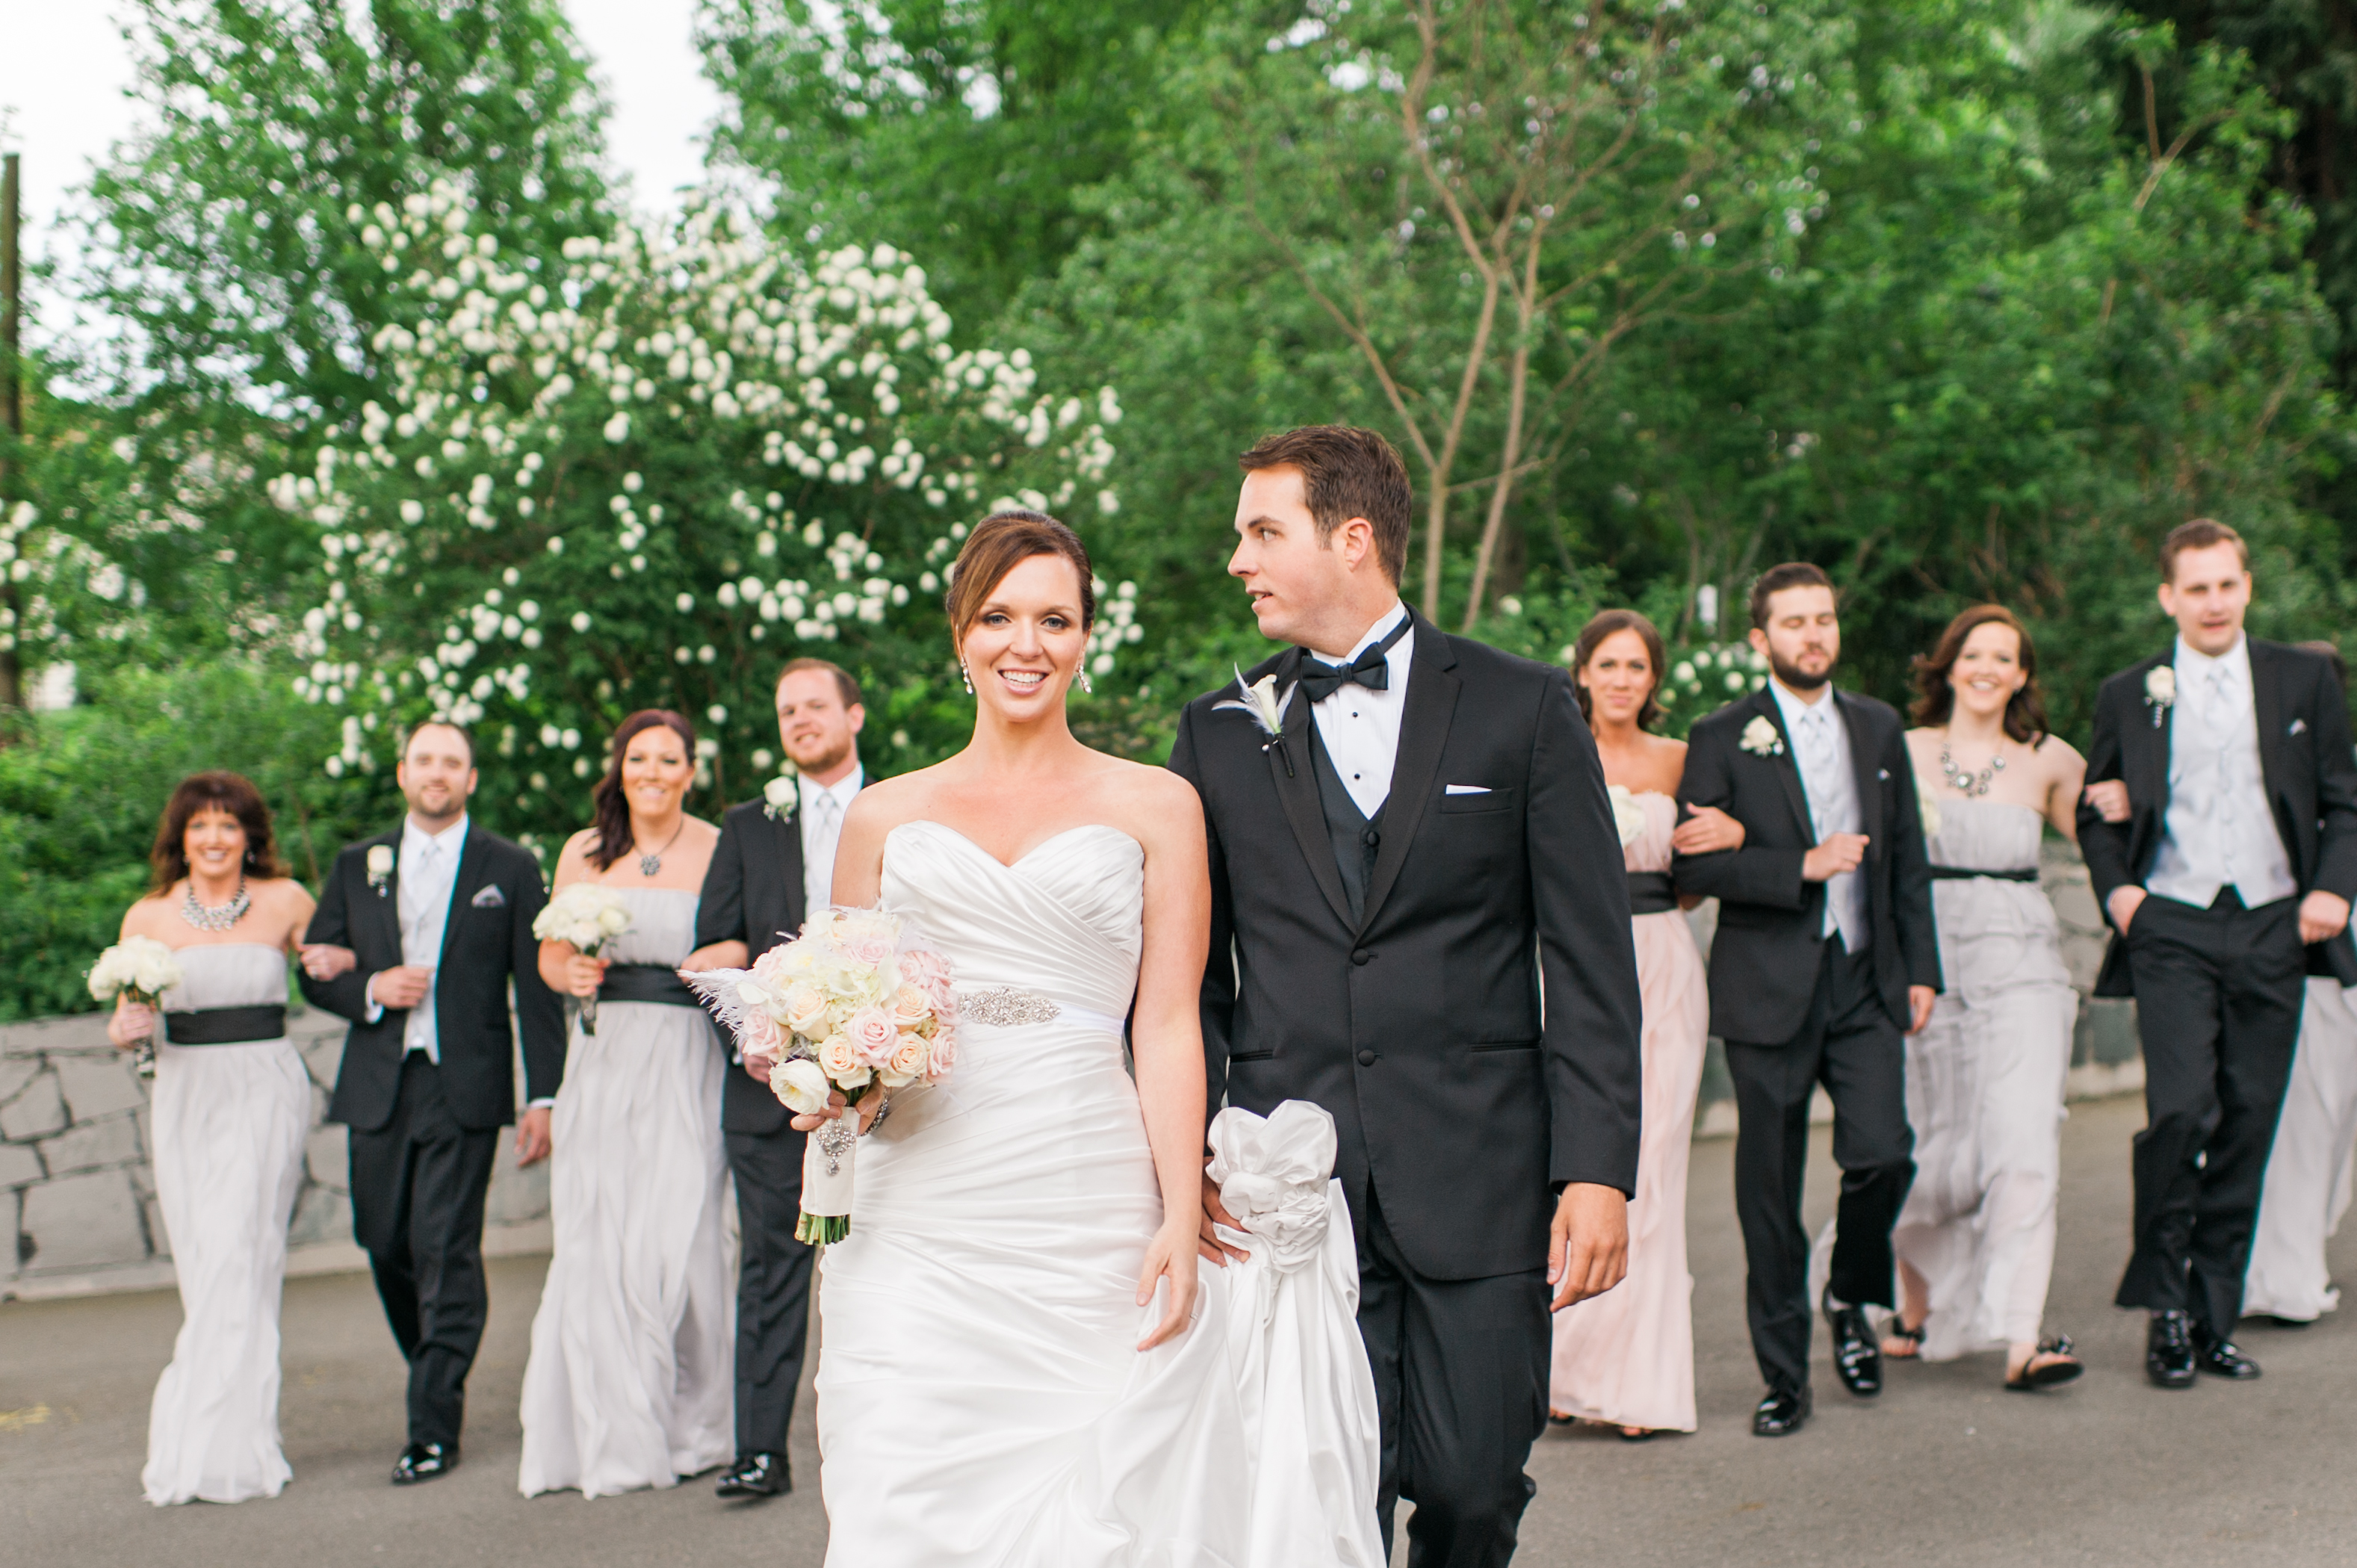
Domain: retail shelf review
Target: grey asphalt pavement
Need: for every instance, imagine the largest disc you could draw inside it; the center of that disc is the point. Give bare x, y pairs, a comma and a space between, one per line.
1944, 1469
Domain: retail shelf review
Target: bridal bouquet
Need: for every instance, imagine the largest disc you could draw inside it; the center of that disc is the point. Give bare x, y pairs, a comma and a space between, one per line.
588, 914
856, 1003
142, 969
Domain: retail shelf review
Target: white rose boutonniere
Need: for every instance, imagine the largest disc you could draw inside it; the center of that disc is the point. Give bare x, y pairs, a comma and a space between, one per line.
1627, 815
779, 797
379, 866
1760, 738
2160, 691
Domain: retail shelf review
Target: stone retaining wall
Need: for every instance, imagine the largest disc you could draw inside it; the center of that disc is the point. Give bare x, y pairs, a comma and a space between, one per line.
78, 1199
76, 1194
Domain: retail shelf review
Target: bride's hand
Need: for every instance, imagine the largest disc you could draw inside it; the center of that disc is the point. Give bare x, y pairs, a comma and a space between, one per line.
835, 1106
1172, 1257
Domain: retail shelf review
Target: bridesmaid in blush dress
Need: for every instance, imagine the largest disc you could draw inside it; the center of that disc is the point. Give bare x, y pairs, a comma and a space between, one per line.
232, 1111
1626, 1357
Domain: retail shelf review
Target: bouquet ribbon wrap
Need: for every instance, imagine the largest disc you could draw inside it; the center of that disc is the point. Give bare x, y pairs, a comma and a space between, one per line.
827, 1180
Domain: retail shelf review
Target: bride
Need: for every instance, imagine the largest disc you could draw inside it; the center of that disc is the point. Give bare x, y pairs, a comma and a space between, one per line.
1020, 1364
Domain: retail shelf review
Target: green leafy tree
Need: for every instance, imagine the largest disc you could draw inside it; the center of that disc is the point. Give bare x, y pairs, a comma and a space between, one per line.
648, 478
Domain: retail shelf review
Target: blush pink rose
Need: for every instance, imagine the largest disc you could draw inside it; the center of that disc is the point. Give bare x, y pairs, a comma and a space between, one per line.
943, 1054
910, 1006
842, 1063
909, 1057
873, 1034
924, 968
759, 1039
872, 952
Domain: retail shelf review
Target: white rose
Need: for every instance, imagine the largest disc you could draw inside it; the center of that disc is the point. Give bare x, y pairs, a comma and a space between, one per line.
778, 794
2161, 685
806, 1009
613, 920
1759, 737
799, 1086
379, 862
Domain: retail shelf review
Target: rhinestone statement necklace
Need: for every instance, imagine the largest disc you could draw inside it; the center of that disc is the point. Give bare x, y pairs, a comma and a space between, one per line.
1972, 785
215, 917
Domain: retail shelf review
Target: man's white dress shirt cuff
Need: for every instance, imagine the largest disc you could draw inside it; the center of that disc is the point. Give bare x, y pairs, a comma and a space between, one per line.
542, 1104
375, 1008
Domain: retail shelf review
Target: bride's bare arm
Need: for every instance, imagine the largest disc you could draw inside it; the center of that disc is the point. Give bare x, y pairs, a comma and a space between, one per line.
859, 853
1166, 1032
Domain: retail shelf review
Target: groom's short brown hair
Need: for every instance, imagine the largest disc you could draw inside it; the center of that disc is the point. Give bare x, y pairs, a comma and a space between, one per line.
1346, 472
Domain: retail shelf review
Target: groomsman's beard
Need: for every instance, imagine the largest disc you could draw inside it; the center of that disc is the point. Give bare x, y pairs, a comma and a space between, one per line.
1795, 679
827, 761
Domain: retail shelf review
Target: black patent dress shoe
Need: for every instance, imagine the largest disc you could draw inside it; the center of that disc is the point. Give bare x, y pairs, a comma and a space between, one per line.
756, 1476
1856, 1356
1781, 1413
424, 1462
2217, 1357
2168, 1350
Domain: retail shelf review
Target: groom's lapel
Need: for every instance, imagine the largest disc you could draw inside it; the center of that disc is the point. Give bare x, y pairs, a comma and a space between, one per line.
1432, 689
1289, 769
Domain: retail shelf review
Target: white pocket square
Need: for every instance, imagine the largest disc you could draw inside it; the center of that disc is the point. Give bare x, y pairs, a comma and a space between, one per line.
490, 897
1466, 790
2297, 726
1883, 774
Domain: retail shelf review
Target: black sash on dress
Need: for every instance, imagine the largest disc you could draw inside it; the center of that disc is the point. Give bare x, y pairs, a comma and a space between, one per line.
655, 982
1651, 893
226, 1025
1966, 873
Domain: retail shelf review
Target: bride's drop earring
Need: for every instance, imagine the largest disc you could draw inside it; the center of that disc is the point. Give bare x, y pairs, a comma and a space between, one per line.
967, 676
1085, 687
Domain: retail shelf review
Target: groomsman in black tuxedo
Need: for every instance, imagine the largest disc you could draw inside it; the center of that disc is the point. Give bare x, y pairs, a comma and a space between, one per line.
1826, 954
774, 864
1417, 837
439, 914
2225, 884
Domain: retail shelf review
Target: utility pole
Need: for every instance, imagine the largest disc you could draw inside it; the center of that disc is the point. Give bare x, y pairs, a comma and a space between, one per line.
12, 412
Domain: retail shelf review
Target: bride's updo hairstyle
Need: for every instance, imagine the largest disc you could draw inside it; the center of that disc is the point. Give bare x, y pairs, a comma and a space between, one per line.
613, 813
999, 544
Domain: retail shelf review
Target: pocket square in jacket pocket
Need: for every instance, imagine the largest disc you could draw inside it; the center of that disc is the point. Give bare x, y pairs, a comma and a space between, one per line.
1883, 774
2297, 726
490, 897
1466, 790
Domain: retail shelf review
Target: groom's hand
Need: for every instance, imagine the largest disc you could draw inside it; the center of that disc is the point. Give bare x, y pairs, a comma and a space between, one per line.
1587, 1253
1215, 1212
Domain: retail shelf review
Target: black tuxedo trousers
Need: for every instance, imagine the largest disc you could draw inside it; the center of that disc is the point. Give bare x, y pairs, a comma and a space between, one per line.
1848, 1044
2219, 993
418, 1185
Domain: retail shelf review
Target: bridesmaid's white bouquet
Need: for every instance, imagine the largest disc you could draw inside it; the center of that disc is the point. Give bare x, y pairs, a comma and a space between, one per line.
588, 914
855, 1004
142, 969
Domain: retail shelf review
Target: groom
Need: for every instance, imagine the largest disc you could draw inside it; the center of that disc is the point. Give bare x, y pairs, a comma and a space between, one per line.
1421, 841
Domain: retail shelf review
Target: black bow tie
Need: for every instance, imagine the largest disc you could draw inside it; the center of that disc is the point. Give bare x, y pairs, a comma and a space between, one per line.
1320, 680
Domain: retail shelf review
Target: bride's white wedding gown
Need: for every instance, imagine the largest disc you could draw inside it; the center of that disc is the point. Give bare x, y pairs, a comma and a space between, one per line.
980, 1398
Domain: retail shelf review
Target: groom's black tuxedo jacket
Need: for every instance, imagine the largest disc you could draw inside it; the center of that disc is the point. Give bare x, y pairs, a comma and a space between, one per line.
486, 942
753, 894
1765, 957
1460, 1105
2304, 757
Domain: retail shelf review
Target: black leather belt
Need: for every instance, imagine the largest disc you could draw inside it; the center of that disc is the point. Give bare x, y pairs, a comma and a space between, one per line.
646, 982
225, 1026
1651, 893
1966, 873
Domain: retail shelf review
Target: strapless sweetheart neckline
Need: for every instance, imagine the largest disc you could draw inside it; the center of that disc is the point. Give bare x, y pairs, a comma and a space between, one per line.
1017, 863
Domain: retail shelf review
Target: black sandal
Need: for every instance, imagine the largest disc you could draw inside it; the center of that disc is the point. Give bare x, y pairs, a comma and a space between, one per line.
1915, 1338
2052, 1375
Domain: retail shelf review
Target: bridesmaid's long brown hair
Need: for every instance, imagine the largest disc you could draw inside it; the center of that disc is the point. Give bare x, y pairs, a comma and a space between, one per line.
1591, 637
613, 817
2025, 715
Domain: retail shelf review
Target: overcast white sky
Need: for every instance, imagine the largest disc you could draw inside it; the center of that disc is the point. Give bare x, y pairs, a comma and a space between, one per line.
64, 67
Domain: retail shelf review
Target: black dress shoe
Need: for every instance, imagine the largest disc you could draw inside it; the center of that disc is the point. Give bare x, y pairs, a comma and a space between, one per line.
424, 1462
2219, 1359
2168, 1350
1856, 1356
1782, 1413
756, 1476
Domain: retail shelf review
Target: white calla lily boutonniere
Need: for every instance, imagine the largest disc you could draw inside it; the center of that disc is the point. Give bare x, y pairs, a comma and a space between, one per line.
2160, 691
379, 866
780, 795
1265, 705
1760, 738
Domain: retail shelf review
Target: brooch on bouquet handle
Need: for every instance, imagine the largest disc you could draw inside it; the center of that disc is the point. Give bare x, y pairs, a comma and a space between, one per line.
856, 1004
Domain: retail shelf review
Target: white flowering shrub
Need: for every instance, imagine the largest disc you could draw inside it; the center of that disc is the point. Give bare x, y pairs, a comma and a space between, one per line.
55, 588
650, 475
1706, 677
